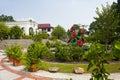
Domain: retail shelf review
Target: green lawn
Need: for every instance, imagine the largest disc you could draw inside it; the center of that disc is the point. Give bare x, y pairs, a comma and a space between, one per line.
68, 68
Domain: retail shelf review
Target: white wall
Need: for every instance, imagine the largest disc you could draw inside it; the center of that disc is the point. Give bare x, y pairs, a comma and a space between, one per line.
24, 24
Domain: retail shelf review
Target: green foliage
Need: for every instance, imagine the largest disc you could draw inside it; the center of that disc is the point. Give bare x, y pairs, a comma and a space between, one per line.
44, 35
104, 28
32, 56
97, 57
44, 53
16, 32
66, 53
77, 53
17, 52
63, 54
36, 51
4, 31
116, 50
37, 37
5, 18
53, 38
14, 52
59, 32
27, 37
9, 51
48, 44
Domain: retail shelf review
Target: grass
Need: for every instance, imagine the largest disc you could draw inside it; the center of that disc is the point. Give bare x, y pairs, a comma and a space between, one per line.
68, 68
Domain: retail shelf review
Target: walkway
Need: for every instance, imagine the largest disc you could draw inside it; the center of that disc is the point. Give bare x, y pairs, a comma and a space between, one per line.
10, 72
7, 73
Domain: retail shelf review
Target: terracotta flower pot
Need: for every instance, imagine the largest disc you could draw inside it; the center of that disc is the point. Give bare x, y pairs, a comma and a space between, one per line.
33, 69
10, 59
17, 62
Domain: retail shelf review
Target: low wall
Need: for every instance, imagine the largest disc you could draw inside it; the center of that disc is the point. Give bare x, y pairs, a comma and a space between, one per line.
22, 42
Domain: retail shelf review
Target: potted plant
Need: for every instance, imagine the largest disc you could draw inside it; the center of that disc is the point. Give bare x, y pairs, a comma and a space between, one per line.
32, 59
10, 53
17, 55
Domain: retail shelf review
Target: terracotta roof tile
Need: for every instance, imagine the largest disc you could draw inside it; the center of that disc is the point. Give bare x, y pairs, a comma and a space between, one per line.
44, 26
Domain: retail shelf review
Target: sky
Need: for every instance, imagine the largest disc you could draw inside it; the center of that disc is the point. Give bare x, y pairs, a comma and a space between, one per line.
55, 12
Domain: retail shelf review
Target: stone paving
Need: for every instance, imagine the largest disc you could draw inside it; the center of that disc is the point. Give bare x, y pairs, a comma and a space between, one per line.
10, 72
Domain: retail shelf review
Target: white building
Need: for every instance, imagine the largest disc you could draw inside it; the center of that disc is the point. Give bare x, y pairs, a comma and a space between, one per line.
27, 26
45, 28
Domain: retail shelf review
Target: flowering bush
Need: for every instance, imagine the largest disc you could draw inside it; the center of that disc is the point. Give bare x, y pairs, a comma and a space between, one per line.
76, 35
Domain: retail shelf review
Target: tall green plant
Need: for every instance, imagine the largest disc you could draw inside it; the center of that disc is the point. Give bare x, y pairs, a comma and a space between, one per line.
16, 32
63, 54
97, 57
59, 32
37, 37
9, 51
32, 56
17, 50
14, 51
76, 53
4, 31
116, 50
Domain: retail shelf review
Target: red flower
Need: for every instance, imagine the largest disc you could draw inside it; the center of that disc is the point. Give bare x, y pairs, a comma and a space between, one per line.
72, 28
79, 43
73, 35
81, 31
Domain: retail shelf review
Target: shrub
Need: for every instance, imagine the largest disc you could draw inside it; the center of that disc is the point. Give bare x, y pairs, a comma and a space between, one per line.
44, 35
9, 51
16, 32
44, 51
52, 38
4, 31
32, 56
77, 53
48, 44
63, 53
97, 57
116, 50
27, 37
17, 51
14, 52
37, 37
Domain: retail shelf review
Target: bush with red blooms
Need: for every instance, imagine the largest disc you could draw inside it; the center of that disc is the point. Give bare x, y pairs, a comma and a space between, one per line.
76, 36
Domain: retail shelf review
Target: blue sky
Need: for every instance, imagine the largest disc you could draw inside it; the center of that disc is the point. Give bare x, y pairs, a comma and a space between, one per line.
62, 12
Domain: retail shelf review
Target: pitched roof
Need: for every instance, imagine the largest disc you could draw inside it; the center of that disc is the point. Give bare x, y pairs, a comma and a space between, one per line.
40, 26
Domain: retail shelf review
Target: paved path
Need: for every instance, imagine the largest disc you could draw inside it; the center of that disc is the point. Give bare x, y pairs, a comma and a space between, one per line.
10, 72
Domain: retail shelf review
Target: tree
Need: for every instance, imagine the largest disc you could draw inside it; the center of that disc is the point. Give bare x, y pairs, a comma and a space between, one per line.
59, 32
5, 18
4, 31
16, 32
97, 58
104, 27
